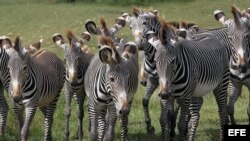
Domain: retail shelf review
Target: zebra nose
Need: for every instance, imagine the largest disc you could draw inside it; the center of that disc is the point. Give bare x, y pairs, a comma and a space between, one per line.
16, 98
124, 111
243, 68
165, 95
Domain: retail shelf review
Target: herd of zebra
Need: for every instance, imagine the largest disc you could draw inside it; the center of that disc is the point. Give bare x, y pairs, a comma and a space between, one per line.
185, 60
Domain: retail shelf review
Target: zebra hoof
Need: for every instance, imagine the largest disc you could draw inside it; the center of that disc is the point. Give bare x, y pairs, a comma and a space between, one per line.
151, 130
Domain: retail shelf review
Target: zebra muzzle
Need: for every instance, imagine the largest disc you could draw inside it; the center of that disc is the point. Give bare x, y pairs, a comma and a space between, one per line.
124, 111
164, 95
16, 98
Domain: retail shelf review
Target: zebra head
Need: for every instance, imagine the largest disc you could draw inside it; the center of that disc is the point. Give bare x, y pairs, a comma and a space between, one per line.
73, 55
141, 23
165, 57
239, 34
116, 75
19, 69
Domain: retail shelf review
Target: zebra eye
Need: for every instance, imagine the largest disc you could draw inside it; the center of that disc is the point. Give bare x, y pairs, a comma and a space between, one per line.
24, 68
112, 79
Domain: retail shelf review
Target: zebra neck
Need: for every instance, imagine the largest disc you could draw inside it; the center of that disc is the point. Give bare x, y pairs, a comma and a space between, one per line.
30, 86
149, 52
4, 71
101, 93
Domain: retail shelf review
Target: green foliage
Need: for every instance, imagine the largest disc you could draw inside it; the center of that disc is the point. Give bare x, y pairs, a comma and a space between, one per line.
35, 19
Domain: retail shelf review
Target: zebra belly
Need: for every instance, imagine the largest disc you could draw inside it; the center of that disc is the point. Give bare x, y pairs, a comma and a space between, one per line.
204, 89
45, 101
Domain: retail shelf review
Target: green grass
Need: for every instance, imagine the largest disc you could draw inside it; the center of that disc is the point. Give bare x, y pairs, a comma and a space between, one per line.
33, 20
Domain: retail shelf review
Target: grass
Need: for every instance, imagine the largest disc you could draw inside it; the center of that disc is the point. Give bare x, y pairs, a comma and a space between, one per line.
33, 20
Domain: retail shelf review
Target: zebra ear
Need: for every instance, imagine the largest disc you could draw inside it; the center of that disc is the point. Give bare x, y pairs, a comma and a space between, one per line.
18, 44
5, 42
239, 19
105, 55
58, 39
85, 37
181, 33
220, 16
37, 45
91, 27
34, 47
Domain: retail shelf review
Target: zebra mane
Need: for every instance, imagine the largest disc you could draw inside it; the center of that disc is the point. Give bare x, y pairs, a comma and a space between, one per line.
155, 12
72, 38
136, 11
186, 25
104, 26
167, 32
38, 52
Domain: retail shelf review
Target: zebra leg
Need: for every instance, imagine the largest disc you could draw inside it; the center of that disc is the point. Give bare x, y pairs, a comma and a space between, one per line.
48, 113
164, 118
18, 110
221, 98
172, 116
67, 110
248, 108
124, 127
29, 115
3, 111
195, 106
112, 117
152, 84
80, 102
234, 92
93, 121
102, 124
182, 125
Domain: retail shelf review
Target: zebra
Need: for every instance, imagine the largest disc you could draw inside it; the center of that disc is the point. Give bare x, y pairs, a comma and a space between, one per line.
35, 81
111, 82
77, 63
149, 76
150, 19
239, 63
181, 69
5, 42
150, 65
